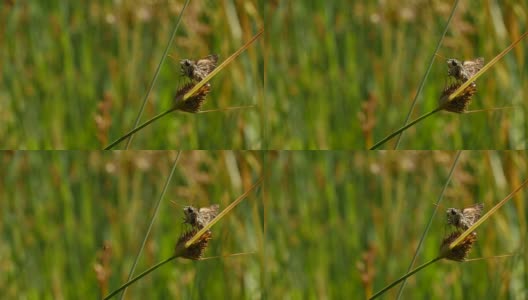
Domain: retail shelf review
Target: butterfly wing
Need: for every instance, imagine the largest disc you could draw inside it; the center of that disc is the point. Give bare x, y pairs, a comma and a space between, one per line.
473, 213
208, 213
473, 66
206, 65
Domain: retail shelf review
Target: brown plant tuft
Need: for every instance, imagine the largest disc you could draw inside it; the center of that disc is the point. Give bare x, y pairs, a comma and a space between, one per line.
195, 102
197, 249
461, 102
460, 251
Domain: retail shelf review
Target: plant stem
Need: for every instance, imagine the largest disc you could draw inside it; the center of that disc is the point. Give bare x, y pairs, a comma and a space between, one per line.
138, 128
158, 69
403, 278
395, 133
139, 276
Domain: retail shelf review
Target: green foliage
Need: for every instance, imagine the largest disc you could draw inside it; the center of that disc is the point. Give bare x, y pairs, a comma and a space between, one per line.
311, 223
62, 61
342, 75
60, 208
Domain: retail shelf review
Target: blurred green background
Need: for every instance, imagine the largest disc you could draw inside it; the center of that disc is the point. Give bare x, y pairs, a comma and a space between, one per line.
342, 74
73, 74
59, 209
342, 224
324, 225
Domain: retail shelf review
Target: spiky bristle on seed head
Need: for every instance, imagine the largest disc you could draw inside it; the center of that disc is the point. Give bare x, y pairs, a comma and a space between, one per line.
460, 251
461, 102
195, 102
197, 249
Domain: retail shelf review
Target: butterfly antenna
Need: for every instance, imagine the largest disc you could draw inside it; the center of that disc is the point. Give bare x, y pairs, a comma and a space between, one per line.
176, 204
172, 57
438, 205
441, 56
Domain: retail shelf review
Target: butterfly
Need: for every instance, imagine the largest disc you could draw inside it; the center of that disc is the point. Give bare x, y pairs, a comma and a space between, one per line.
465, 218
464, 70
198, 70
200, 217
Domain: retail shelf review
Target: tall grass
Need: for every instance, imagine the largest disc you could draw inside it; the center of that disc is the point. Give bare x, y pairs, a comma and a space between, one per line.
61, 60
60, 208
330, 210
350, 71
315, 220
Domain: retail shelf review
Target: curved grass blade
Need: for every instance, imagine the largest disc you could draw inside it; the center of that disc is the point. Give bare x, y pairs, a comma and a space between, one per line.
437, 204
420, 88
390, 136
158, 69
152, 219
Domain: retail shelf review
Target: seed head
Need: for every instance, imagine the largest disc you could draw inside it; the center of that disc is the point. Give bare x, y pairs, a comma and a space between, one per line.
460, 251
461, 102
195, 102
197, 249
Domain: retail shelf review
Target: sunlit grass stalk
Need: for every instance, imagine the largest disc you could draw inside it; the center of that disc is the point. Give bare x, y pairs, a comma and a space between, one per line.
447, 250
222, 65
226, 109
446, 99
220, 215
486, 216
486, 67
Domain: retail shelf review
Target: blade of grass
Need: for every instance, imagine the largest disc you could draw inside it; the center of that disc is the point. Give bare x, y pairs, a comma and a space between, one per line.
390, 136
152, 219
488, 109
453, 166
138, 128
124, 286
226, 109
385, 289
228, 255
422, 83
158, 69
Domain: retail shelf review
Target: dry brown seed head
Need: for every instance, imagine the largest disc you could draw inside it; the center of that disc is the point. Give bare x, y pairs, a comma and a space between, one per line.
197, 249
195, 102
461, 102
460, 251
